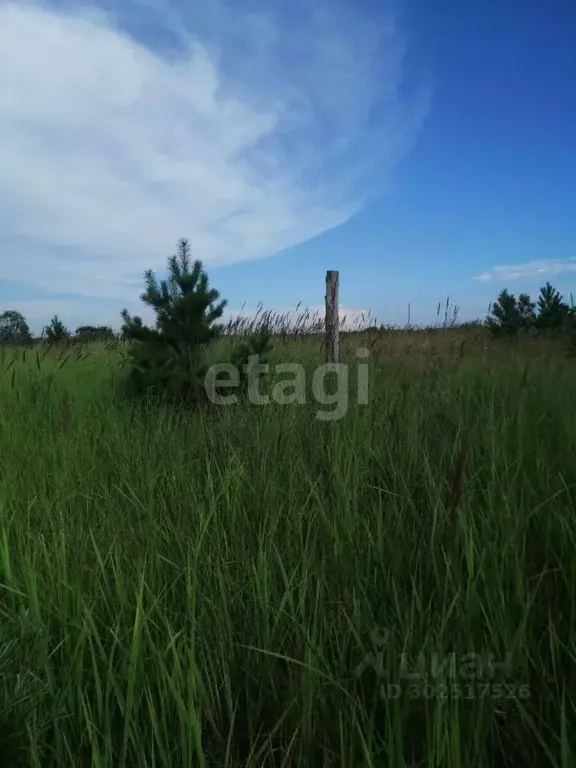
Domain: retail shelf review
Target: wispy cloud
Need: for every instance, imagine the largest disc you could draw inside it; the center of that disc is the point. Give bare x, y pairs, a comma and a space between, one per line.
545, 268
127, 125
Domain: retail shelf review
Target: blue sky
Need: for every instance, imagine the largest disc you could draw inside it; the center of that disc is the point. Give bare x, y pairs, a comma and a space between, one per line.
424, 149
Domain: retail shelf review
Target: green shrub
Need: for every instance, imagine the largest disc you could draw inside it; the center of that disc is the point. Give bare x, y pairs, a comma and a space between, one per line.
90, 333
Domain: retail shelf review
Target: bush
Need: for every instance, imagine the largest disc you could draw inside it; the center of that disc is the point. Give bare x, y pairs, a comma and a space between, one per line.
90, 333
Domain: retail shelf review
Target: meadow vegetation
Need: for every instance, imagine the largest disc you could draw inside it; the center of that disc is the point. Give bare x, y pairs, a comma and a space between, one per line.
245, 585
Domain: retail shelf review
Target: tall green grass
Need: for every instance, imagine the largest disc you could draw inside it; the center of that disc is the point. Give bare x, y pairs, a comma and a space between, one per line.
205, 591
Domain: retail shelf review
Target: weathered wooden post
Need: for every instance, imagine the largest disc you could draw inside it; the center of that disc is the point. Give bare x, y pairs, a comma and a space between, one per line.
332, 321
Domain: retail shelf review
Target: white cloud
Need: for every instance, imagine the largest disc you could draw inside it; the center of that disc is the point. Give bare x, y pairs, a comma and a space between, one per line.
248, 137
545, 268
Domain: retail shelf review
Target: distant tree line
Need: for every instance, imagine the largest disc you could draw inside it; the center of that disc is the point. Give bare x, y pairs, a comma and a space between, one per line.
14, 330
510, 315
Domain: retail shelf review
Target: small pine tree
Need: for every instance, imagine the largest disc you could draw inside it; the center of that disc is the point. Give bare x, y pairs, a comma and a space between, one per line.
56, 332
509, 314
526, 310
168, 359
553, 312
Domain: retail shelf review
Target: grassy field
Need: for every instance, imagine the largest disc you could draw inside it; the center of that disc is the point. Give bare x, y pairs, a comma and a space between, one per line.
250, 586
